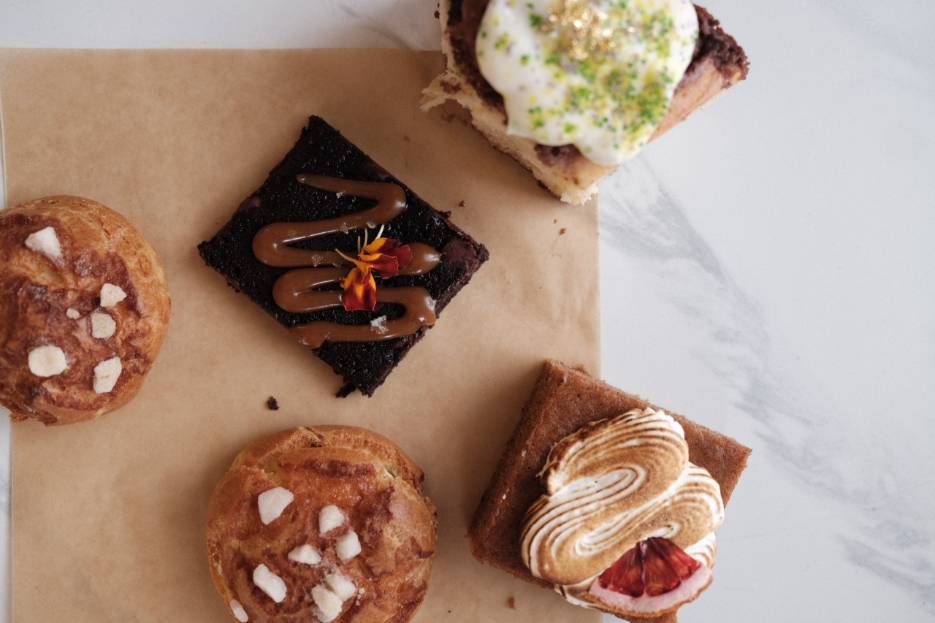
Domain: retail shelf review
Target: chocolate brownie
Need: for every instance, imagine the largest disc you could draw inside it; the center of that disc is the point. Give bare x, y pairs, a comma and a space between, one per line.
322, 150
564, 400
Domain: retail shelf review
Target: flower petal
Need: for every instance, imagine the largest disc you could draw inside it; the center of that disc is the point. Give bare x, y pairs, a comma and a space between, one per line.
360, 290
386, 256
402, 253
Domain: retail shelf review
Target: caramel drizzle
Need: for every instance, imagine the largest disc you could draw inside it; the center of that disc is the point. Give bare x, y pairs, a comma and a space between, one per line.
296, 292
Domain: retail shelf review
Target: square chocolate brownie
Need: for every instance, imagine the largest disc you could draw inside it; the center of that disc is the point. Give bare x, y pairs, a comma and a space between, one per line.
354, 263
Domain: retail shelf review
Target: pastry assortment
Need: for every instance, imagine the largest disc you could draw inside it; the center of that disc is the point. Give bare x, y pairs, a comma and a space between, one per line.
571, 88
327, 523
84, 308
610, 501
345, 256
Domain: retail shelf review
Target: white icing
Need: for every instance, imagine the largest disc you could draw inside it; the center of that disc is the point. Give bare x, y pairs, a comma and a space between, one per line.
599, 74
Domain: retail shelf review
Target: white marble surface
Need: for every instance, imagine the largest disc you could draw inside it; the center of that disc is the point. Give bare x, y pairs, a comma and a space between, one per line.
766, 269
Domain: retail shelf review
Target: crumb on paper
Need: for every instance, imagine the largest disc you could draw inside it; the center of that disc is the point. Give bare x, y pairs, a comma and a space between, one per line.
461, 203
511, 602
554, 221
406, 138
272, 404
562, 231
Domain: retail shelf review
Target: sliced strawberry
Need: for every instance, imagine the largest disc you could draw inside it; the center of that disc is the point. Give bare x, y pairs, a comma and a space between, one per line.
626, 575
665, 565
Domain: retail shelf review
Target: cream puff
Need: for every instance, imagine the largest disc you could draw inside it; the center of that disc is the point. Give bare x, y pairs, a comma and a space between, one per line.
327, 523
84, 309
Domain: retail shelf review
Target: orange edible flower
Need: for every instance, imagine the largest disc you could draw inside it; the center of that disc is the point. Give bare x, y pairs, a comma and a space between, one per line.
385, 257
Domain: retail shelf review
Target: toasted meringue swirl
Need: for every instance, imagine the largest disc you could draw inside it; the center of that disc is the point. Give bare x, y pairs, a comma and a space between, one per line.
612, 484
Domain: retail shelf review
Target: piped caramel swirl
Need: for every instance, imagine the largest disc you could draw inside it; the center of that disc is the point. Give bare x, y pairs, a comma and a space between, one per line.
297, 290
612, 484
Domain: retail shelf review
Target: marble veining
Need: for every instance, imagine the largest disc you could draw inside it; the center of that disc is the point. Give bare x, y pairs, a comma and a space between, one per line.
882, 526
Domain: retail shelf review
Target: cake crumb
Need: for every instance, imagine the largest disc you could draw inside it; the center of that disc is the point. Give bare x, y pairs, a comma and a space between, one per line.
379, 325
272, 404
511, 602
562, 231
461, 203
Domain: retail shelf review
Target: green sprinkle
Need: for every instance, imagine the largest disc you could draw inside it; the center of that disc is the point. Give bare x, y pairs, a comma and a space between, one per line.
524, 59
570, 128
536, 20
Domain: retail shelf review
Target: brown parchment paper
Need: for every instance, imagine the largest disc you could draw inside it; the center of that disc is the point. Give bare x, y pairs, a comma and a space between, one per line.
108, 517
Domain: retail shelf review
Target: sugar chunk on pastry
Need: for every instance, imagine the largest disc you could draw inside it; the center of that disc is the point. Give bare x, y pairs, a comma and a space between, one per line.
269, 583
329, 518
103, 325
239, 613
305, 554
106, 374
46, 361
347, 546
111, 295
340, 585
45, 241
328, 603
272, 503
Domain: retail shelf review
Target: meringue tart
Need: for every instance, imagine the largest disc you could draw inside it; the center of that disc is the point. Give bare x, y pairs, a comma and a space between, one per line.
607, 499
